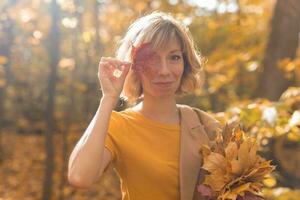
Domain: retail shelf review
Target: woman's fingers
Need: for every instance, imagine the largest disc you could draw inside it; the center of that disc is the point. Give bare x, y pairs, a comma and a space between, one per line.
114, 67
115, 62
111, 74
104, 67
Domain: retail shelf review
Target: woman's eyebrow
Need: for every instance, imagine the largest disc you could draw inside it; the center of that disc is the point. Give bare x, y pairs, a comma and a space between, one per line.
175, 50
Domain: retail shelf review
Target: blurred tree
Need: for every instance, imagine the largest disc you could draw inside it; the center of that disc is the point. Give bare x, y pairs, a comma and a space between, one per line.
54, 55
232, 37
282, 43
7, 38
68, 81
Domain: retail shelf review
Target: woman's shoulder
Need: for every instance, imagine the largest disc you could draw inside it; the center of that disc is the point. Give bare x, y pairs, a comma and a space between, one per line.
119, 121
125, 114
206, 116
210, 123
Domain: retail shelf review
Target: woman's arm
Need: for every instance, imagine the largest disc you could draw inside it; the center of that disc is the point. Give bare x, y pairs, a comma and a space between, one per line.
89, 157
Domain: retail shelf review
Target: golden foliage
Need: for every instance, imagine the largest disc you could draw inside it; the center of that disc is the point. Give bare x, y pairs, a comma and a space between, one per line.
234, 166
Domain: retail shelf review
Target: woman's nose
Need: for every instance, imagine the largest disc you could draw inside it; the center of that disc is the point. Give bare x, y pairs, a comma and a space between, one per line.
163, 68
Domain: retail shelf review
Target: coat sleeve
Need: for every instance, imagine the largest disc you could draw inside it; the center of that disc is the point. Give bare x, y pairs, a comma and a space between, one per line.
211, 126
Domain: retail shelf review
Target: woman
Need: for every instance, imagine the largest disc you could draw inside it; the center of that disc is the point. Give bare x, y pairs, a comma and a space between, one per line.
158, 61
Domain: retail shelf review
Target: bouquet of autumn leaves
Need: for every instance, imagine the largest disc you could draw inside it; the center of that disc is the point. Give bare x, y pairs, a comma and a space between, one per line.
234, 169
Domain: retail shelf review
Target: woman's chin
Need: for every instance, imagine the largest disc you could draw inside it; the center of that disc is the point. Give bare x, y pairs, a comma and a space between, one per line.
164, 93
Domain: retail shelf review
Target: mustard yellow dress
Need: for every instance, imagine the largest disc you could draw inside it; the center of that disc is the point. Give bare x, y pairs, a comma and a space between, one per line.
145, 156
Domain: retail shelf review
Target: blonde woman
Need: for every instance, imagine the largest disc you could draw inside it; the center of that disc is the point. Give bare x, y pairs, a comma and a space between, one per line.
153, 146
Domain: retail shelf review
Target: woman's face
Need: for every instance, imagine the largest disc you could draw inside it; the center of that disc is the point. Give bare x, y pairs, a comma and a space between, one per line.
162, 75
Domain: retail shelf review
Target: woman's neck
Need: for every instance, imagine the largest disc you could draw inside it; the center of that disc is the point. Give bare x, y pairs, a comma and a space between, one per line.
163, 110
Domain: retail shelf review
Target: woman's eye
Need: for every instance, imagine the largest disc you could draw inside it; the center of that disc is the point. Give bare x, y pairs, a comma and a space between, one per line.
176, 57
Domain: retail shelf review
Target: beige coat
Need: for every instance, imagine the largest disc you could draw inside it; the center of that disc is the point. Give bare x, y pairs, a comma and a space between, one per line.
193, 134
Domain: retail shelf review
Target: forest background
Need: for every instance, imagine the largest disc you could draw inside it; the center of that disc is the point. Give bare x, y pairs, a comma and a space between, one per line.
49, 90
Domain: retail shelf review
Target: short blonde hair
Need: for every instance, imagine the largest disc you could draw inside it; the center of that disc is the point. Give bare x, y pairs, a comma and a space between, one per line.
157, 28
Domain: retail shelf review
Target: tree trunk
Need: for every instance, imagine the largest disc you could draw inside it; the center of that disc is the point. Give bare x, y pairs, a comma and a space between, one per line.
54, 38
283, 43
69, 112
93, 53
5, 47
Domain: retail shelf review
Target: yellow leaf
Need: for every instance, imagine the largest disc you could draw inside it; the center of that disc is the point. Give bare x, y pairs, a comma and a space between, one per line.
238, 135
270, 182
204, 150
216, 180
236, 167
258, 173
241, 188
232, 194
252, 154
231, 151
228, 196
214, 161
243, 155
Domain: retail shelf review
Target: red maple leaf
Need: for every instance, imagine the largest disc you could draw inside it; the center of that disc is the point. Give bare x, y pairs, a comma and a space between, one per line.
143, 57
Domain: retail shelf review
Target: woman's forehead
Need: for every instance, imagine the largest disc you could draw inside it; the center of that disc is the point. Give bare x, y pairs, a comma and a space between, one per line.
170, 44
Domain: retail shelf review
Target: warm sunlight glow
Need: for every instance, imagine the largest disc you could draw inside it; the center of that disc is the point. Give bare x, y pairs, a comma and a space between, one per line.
26, 15
67, 63
220, 7
69, 22
207, 4
37, 34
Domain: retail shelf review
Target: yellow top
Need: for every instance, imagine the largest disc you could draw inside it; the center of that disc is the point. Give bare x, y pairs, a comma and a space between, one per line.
145, 156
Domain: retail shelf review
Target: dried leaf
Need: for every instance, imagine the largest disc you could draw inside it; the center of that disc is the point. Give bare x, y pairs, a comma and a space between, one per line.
216, 180
244, 157
227, 133
238, 135
249, 196
235, 169
232, 194
231, 151
214, 161
204, 150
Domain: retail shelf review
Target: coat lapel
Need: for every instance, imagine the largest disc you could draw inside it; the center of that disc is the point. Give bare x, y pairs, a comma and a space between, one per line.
192, 136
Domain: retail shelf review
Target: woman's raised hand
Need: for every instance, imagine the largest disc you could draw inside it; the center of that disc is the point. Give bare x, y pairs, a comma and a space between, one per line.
111, 74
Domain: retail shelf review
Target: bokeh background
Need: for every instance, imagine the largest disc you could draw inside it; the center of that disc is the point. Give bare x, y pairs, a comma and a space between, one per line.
49, 90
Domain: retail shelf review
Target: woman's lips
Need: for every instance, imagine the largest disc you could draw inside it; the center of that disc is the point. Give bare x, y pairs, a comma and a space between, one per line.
164, 84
